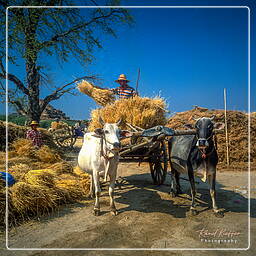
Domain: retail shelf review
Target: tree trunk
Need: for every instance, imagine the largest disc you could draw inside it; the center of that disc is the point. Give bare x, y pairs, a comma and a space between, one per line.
33, 80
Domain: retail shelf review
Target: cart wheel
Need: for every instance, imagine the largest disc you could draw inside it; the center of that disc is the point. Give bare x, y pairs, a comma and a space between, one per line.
64, 137
158, 164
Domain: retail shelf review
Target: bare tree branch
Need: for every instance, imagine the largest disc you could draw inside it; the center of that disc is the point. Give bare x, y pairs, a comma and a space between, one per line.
13, 78
58, 37
61, 91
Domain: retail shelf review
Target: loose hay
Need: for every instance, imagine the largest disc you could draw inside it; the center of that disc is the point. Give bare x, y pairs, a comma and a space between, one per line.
100, 95
142, 112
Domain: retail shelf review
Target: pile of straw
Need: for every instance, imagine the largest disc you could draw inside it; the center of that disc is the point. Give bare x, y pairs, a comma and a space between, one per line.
19, 171
142, 112
36, 199
43, 177
47, 155
100, 95
37, 192
23, 147
62, 167
237, 123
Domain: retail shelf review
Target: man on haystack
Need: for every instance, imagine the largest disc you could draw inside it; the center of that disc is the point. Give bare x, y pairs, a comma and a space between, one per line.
34, 135
124, 91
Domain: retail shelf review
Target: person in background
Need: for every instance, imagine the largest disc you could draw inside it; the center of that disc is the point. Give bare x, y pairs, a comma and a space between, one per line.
34, 135
78, 129
124, 91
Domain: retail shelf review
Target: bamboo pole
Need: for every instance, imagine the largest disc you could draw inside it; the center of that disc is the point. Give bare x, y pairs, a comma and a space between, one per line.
226, 127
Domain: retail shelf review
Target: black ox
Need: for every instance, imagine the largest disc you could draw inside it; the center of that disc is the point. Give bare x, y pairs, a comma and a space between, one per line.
195, 155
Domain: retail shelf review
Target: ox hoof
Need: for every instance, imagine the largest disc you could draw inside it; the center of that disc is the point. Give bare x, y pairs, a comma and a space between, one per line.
193, 212
219, 214
96, 212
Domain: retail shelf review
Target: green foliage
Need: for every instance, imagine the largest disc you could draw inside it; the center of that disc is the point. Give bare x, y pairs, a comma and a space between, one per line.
14, 118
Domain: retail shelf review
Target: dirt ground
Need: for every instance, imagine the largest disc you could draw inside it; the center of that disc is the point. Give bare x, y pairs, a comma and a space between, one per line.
148, 218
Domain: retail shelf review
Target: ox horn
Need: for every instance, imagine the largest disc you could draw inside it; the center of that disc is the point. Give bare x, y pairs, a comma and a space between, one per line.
212, 117
196, 119
119, 122
101, 121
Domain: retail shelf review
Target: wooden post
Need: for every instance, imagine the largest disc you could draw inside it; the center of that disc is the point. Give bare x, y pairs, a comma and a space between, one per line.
226, 126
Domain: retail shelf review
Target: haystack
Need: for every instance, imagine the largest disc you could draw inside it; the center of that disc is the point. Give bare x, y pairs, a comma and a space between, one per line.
100, 95
142, 112
237, 123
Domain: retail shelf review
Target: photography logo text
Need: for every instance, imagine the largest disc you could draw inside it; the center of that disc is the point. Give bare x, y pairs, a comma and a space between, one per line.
219, 235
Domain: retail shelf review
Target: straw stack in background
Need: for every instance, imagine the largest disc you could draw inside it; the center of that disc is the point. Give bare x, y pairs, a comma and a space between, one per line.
100, 95
143, 112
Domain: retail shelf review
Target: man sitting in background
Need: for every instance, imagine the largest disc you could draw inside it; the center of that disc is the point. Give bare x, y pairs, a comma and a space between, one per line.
124, 91
34, 135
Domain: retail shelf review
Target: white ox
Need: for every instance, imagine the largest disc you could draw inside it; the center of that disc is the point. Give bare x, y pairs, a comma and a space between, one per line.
99, 156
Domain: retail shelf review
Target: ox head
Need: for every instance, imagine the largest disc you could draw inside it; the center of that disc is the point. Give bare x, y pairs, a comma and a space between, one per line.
204, 130
111, 134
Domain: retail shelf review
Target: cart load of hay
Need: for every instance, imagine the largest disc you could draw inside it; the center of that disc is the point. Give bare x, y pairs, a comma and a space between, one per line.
144, 112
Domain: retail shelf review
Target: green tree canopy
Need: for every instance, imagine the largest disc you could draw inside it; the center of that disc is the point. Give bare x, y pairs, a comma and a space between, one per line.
66, 33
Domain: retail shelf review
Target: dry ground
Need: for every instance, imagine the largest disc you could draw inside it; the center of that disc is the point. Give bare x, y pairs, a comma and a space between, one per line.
148, 218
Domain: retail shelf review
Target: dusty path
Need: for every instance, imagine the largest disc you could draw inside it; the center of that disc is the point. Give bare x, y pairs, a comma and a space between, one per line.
148, 218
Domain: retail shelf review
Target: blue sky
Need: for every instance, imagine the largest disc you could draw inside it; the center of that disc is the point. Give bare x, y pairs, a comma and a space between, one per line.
186, 55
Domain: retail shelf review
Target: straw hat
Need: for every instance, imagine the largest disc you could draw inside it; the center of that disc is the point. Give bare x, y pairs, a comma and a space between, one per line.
122, 77
34, 123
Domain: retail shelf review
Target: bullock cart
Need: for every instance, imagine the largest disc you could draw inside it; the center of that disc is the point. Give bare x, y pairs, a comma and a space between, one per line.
150, 146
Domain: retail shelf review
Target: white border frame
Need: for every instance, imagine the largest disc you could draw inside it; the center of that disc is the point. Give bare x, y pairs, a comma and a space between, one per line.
249, 137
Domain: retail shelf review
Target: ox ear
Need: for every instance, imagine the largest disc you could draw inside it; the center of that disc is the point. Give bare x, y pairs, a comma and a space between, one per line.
119, 122
98, 131
101, 121
219, 126
189, 126
125, 133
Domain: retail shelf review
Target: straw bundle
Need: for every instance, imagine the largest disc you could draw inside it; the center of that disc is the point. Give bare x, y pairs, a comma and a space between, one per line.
45, 154
23, 147
142, 112
72, 186
100, 95
32, 198
62, 167
40, 177
19, 170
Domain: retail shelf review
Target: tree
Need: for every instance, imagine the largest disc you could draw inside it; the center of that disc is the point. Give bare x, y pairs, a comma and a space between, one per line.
64, 32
